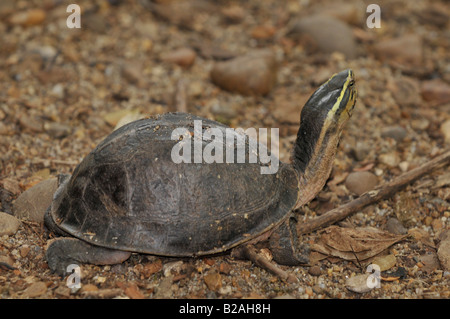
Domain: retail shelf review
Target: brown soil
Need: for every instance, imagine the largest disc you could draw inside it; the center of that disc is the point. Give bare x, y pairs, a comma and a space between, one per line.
63, 90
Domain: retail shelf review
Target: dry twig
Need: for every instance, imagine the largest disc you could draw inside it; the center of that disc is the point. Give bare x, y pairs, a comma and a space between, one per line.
381, 192
248, 252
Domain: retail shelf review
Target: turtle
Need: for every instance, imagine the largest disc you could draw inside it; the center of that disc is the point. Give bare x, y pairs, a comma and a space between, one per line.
129, 195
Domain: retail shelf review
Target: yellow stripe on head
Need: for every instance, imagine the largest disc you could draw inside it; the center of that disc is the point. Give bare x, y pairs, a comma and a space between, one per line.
349, 81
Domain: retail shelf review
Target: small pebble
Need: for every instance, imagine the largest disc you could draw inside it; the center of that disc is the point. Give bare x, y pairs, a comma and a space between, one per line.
224, 110
385, 262
184, 57
397, 133
88, 288
24, 250
225, 290
133, 73
6, 260
94, 22
421, 235
5, 130
359, 283
172, 268
394, 226
352, 13
437, 224
63, 291
133, 292
436, 91
8, 224
35, 290
263, 32
361, 182
233, 13
30, 123
58, 90
152, 268
445, 130
7, 7
28, 18
420, 124
317, 289
315, 271
225, 268
403, 166
430, 262
285, 296
361, 151
57, 130
406, 91
113, 118
391, 159
213, 281
444, 250
128, 118
164, 289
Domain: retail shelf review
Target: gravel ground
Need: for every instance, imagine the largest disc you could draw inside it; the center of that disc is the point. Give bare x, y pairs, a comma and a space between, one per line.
63, 90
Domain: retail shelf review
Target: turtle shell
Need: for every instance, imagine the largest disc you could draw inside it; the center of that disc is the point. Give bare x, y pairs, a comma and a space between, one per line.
129, 194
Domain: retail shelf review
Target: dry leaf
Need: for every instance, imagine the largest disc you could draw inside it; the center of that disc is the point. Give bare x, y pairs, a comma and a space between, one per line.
152, 268
422, 236
443, 180
133, 292
355, 244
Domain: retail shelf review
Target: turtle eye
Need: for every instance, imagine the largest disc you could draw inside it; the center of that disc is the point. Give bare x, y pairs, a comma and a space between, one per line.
352, 82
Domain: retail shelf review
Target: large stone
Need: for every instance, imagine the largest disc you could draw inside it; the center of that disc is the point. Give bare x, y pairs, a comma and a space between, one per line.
325, 34
252, 74
33, 203
405, 51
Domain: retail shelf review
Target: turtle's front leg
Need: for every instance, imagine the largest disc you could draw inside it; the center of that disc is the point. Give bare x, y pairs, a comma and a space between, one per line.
61, 252
286, 247
286, 250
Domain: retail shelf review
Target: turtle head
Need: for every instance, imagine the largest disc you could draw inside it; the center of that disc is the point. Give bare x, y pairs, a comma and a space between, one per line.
322, 120
330, 106
334, 100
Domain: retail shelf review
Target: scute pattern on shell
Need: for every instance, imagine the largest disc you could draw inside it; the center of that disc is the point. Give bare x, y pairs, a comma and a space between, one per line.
128, 194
